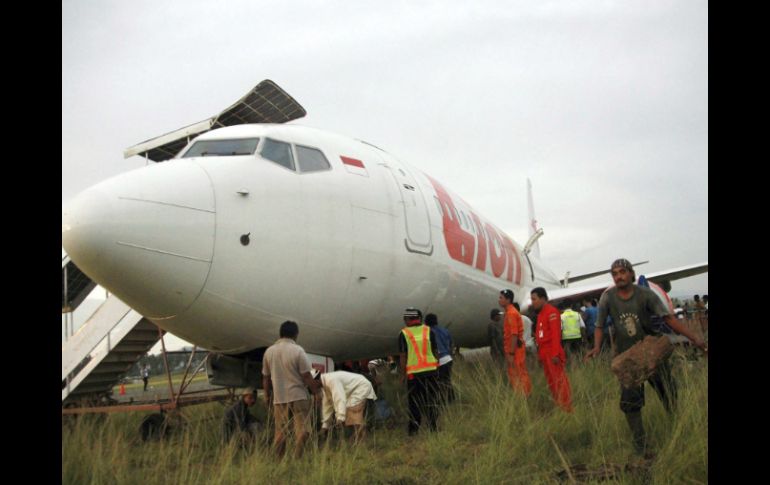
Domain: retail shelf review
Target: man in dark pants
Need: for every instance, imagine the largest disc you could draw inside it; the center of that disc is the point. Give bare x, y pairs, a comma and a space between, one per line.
238, 420
495, 336
590, 312
631, 307
145, 376
419, 367
573, 330
445, 348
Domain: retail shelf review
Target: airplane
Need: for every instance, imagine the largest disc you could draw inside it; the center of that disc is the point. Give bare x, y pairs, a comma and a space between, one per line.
253, 224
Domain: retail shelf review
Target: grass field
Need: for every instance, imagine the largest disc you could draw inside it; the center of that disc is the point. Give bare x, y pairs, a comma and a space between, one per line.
161, 381
489, 435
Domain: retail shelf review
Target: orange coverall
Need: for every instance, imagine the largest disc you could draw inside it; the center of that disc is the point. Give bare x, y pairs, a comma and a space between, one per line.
548, 338
513, 328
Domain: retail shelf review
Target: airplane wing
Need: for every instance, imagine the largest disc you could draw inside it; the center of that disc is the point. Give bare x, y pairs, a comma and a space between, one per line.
586, 276
595, 290
265, 103
678, 273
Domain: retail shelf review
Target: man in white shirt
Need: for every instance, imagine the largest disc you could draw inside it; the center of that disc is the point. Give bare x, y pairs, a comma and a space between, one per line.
344, 400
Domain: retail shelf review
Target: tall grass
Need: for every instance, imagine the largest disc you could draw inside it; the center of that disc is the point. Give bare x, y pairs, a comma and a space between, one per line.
488, 435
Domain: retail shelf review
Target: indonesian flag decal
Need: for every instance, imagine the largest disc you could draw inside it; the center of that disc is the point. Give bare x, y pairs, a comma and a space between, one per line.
354, 166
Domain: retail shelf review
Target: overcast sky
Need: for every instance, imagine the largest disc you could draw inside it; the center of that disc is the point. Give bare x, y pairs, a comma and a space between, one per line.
602, 104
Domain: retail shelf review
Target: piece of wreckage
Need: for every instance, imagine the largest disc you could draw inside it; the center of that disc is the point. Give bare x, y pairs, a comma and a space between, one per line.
637, 364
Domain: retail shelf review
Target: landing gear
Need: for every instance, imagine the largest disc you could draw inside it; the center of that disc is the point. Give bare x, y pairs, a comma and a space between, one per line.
154, 427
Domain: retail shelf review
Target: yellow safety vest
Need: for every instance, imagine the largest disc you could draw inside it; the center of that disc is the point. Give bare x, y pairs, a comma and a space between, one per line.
570, 325
420, 356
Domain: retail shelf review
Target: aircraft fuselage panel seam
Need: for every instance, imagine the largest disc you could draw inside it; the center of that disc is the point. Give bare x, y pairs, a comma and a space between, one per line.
372, 210
154, 250
168, 204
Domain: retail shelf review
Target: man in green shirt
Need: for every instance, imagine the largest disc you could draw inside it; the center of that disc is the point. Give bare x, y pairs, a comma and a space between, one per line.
631, 307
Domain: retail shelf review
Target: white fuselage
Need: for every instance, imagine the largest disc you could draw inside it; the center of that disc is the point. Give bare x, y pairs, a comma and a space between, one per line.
342, 251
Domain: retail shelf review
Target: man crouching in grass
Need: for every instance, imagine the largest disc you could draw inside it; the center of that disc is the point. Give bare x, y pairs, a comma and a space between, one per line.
344, 401
239, 422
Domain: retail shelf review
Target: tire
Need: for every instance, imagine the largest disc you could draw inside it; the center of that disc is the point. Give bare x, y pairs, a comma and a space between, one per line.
154, 427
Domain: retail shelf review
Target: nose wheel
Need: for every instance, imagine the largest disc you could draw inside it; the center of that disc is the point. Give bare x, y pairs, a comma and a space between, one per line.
154, 427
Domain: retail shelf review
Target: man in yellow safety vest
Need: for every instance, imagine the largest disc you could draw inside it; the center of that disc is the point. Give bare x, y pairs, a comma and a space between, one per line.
573, 330
419, 365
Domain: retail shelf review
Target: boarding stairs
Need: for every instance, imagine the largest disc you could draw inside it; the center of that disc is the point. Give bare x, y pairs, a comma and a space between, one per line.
75, 285
105, 347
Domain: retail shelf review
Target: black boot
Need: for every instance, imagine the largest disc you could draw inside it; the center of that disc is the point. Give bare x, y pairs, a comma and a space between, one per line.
637, 430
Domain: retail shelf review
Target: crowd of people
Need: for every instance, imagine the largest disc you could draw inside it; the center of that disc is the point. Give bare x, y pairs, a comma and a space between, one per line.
559, 338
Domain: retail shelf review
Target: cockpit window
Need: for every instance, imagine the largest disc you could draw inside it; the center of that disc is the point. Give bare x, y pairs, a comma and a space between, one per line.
278, 152
222, 148
311, 159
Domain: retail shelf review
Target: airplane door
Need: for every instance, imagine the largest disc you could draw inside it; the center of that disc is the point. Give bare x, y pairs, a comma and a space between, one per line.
418, 237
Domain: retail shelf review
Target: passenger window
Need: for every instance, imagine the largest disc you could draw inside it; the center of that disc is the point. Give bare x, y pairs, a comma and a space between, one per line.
278, 152
311, 159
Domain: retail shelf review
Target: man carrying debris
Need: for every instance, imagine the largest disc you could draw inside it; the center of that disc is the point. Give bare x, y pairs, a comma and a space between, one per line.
631, 307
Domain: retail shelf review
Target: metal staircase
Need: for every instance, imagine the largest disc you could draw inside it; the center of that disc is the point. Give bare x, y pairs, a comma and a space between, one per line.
106, 346
75, 285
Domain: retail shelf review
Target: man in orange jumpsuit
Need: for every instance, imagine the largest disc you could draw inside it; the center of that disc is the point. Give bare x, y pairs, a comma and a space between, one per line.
513, 345
549, 349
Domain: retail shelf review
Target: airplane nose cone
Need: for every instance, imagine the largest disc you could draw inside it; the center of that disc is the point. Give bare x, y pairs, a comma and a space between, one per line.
147, 235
